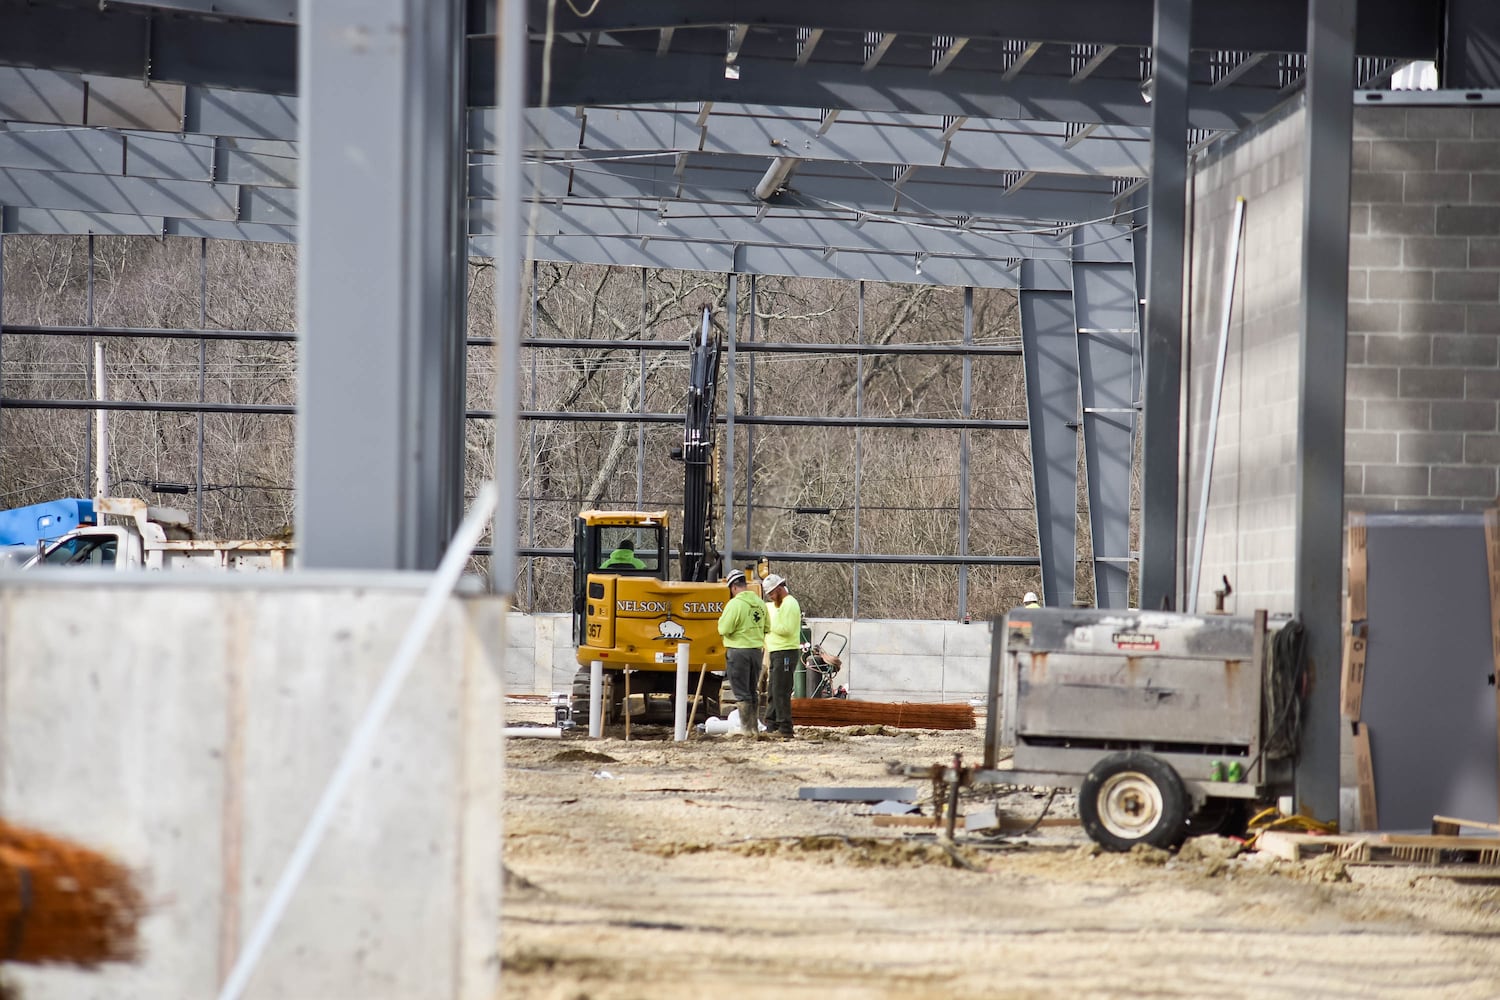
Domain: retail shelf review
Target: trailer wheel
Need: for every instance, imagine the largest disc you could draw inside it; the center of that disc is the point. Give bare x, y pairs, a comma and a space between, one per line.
1133, 798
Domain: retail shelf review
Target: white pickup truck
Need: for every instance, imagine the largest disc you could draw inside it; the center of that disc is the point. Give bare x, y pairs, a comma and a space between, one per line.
156, 538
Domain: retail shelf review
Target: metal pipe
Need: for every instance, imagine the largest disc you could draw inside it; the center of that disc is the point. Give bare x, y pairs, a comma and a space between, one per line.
1191, 601
864, 558
750, 431
531, 458
202, 373
774, 177
88, 433
510, 70
782, 347
101, 423
640, 405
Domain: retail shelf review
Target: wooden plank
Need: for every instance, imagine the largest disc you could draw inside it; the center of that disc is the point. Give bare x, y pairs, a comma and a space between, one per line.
1441, 843
1364, 766
1492, 554
1352, 683
1358, 563
1455, 822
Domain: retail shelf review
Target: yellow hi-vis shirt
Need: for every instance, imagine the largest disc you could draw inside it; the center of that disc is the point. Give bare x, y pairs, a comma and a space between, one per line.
786, 625
743, 623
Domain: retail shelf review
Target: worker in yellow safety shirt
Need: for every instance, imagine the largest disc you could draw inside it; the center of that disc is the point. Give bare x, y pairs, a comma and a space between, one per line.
743, 626
1030, 601
782, 642
623, 557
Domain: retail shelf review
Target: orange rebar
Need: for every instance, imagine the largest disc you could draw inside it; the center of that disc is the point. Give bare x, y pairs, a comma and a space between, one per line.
900, 715
63, 903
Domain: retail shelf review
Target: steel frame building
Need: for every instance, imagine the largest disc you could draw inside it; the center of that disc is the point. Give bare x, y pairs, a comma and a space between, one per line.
965, 143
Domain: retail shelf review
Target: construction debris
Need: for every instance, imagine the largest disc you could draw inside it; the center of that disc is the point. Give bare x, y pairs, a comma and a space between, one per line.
1382, 848
901, 715
62, 903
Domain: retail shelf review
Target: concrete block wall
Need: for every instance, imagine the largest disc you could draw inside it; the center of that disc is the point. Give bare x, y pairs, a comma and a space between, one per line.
883, 660
189, 729
1424, 309
1252, 501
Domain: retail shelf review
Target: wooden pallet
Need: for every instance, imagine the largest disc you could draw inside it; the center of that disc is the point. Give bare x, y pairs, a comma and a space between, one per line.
1382, 848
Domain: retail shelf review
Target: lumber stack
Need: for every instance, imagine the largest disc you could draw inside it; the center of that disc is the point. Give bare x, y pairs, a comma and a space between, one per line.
63, 903
900, 715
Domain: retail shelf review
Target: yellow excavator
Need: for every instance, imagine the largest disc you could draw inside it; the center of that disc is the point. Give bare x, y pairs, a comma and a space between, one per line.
627, 612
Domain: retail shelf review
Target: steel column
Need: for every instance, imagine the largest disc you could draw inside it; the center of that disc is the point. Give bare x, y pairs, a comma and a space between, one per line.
1104, 302
88, 355
531, 458
859, 412
1320, 412
1166, 218
966, 405
730, 319
202, 373
511, 65
750, 428
1050, 352
378, 318
640, 395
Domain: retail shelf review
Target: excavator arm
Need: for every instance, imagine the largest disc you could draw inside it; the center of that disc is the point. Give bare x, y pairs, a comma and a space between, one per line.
700, 559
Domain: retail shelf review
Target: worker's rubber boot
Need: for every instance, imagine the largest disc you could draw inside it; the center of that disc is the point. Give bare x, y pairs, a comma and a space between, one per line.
749, 726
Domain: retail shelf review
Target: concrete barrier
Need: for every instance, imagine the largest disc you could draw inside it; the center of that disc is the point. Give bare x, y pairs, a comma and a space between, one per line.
885, 660
188, 728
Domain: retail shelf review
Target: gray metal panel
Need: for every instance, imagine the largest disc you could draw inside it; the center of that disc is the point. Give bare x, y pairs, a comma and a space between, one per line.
117, 195
43, 147
1051, 362
1427, 700
1108, 343
1166, 219
276, 206
1320, 411
40, 95
47, 221
275, 11
253, 231
114, 102
258, 162
181, 157
377, 316
217, 111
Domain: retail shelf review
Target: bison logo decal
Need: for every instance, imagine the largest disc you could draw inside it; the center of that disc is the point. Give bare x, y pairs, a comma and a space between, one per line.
671, 630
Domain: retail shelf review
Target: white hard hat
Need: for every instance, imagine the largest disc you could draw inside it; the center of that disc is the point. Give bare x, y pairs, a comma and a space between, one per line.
771, 582
1030, 598
736, 576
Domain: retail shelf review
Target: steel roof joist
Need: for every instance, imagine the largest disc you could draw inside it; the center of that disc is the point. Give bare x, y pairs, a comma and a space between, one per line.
1395, 28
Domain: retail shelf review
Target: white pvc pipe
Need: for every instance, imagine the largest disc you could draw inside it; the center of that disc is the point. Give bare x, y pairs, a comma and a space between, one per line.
533, 733
680, 697
357, 751
596, 699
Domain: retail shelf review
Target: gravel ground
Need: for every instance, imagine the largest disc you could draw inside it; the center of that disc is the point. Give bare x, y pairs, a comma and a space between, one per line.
664, 870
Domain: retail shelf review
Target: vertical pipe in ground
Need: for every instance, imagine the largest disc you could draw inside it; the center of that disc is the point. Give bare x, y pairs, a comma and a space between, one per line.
596, 699
680, 695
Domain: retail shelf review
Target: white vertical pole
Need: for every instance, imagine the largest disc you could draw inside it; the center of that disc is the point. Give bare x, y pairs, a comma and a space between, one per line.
596, 699
101, 423
680, 696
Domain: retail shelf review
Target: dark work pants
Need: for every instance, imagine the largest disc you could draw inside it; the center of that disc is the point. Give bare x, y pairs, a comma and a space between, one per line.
742, 670
783, 667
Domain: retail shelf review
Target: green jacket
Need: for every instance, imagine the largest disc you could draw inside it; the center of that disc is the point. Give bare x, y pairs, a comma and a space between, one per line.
786, 625
743, 623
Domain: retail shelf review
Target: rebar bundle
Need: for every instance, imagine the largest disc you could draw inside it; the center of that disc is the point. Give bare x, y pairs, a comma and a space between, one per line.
61, 903
900, 715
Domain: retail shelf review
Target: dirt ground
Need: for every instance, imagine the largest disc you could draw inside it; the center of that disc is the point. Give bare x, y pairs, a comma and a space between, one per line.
653, 869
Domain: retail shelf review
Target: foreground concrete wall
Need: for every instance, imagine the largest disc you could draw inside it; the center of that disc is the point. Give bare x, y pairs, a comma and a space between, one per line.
1252, 504
188, 730
884, 660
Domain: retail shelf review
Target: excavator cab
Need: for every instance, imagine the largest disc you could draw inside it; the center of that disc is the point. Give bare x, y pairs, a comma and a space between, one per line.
613, 543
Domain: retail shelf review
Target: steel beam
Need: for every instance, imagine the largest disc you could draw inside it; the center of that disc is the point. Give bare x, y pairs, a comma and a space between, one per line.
1049, 337
919, 140
1386, 27
623, 75
1104, 304
1320, 412
376, 485
1166, 226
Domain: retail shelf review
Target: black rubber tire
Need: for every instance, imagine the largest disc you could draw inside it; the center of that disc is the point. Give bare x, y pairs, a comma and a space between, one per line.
1133, 798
